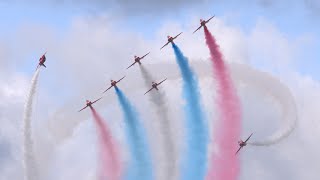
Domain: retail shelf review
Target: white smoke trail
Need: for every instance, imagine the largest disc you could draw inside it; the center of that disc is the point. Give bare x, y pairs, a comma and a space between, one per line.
260, 80
168, 164
278, 91
240, 73
30, 166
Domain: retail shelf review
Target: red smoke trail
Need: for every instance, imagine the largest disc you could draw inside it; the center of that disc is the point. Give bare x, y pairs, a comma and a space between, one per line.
110, 162
225, 164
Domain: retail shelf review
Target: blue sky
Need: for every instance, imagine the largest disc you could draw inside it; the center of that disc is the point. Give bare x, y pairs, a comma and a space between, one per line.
292, 22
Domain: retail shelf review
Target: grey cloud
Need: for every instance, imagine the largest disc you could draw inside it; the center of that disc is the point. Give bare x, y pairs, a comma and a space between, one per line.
4, 55
140, 6
156, 8
310, 5
313, 5
5, 153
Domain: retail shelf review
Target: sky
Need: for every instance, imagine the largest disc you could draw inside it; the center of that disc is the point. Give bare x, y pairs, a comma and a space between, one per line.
90, 42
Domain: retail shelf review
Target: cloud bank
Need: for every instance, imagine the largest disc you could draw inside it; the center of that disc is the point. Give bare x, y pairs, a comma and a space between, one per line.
81, 61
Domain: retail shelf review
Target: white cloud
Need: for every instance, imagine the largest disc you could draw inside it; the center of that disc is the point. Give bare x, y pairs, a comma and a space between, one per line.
11, 109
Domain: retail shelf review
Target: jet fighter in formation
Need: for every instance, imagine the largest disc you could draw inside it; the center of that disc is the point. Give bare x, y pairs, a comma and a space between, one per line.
114, 83
42, 60
89, 104
243, 143
170, 40
137, 59
203, 23
155, 86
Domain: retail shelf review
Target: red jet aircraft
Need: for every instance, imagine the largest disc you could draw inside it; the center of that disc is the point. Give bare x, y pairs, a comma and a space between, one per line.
114, 84
170, 40
243, 143
42, 60
155, 86
89, 104
137, 60
203, 23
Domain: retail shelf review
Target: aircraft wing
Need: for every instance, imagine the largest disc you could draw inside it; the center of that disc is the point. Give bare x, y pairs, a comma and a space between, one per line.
121, 79
239, 149
96, 100
148, 91
82, 108
165, 45
248, 138
44, 65
145, 55
209, 19
107, 89
197, 29
131, 65
177, 35
162, 81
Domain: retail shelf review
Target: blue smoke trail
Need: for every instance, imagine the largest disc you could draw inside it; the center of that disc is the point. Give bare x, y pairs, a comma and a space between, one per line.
140, 166
194, 158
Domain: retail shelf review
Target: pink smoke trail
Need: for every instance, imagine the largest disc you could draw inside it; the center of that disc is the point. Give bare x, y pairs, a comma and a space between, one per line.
225, 164
110, 159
